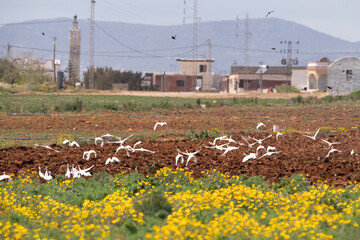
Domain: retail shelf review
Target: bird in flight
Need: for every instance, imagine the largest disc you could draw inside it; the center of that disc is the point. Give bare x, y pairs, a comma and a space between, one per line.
259, 125
161, 124
329, 143
269, 13
43, 33
273, 48
173, 37
313, 137
329, 87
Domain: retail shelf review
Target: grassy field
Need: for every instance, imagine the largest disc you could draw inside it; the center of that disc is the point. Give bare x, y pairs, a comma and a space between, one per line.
50, 103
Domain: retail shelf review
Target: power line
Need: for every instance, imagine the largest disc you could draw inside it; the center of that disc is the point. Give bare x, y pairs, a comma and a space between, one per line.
41, 22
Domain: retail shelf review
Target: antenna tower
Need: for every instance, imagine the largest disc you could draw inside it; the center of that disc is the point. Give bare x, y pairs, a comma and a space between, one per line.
289, 60
91, 73
195, 31
246, 55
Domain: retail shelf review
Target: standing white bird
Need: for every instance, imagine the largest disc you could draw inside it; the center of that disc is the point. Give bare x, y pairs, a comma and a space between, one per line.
333, 150
179, 156
4, 176
161, 124
352, 152
41, 174
111, 160
87, 154
260, 125
329, 143
68, 173
73, 143
75, 172
313, 137
250, 156
47, 175
45, 146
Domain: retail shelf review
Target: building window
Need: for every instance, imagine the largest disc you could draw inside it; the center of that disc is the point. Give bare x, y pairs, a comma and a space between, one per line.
179, 83
349, 75
202, 68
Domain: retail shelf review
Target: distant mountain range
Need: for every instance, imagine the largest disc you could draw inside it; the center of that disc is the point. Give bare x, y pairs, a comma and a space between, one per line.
141, 47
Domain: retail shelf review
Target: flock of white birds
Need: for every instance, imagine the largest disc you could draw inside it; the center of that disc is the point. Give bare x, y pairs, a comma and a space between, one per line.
225, 147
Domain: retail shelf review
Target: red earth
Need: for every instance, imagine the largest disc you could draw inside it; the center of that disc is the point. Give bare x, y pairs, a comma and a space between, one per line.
297, 154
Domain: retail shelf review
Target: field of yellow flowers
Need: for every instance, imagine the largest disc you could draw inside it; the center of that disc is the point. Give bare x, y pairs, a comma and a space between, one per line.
173, 205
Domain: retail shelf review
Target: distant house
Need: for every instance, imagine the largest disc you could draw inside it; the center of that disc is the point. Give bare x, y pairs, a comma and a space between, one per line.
344, 76
241, 80
48, 66
317, 74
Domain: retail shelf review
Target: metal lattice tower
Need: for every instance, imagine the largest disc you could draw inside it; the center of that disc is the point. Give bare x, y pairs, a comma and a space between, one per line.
91, 73
195, 31
289, 60
246, 55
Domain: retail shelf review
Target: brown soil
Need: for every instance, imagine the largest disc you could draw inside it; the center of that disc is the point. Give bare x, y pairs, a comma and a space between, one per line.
298, 154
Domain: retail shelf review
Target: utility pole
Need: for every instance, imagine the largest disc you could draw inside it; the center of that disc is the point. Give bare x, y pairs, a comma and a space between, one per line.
289, 60
246, 54
54, 59
209, 44
91, 73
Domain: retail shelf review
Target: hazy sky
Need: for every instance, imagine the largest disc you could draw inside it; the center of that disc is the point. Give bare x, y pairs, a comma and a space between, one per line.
339, 18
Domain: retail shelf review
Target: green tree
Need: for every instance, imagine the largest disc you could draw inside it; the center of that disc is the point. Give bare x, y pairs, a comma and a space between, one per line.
9, 73
71, 77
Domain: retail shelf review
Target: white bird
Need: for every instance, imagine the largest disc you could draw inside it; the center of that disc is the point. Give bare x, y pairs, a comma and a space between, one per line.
259, 148
121, 141
269, 148
87, 154
73, 143
268, 154
99, 139
179, 156
249, 145
218, 138
259, 125
41, 174
219, 147
127, 148
278, 135
111, 160
313, 137
329, 143
250, 156
133, 149
161, 124
332, 151
68, 173
190, 156
75, 172
84, 172
47, 175
259, 141
227, 149
45, 146
4, 176
352, 152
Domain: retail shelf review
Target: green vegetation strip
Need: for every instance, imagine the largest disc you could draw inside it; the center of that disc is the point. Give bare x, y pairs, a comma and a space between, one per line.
173, 205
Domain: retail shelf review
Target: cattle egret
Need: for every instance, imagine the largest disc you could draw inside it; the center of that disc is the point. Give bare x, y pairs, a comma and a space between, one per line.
87, 154
45, 146
161, 124
260, 125
249, 145
4, 176
279, 135
68, 173
250, 156
121, 141
190, 156
329, 143
84, 172
111, 160
333, 150
313, 137
179, 156
259, 148
99, 139
352, 152
73, 143
259, 141
41, 174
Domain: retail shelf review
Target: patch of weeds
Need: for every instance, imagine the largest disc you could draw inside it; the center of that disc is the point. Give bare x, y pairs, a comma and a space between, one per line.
130, 106
213, 180
298, 99
296, 183
110, 106
213, 133
153, 204
74, 106
250, 131
255, 181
